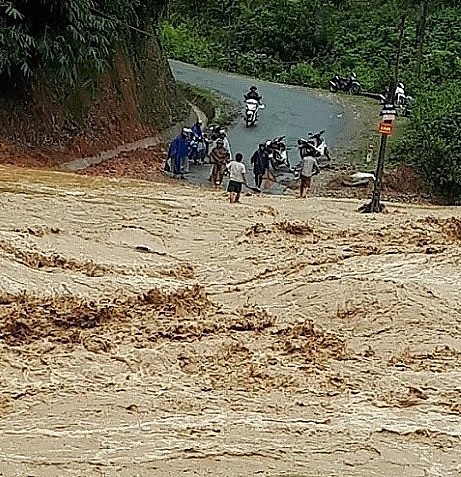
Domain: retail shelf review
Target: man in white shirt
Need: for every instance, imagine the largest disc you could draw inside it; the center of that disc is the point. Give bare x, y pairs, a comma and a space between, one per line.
310, 167
237, 177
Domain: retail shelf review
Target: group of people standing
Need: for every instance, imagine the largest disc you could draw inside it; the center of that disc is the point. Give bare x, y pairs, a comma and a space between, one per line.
217, 152
181, 148
220, 157
260, 161
193, 145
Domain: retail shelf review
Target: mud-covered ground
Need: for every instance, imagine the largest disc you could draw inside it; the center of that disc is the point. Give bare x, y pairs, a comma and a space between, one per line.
154, 330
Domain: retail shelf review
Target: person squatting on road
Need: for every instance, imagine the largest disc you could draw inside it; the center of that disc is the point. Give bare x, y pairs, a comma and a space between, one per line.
310, 168
237, 177
219, 157
178, 154
260, 162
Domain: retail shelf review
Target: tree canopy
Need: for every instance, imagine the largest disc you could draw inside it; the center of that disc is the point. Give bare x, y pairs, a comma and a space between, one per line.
65, 35
306, 41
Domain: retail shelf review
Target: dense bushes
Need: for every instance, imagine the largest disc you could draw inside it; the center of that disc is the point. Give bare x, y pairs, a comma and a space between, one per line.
433, 141
306, 41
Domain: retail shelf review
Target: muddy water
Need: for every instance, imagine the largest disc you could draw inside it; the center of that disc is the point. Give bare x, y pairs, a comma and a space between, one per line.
148, 329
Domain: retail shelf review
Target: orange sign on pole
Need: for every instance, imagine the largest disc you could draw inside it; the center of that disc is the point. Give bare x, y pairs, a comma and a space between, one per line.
385, 128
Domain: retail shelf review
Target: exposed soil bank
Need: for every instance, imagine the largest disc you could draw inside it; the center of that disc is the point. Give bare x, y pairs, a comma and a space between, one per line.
53, 124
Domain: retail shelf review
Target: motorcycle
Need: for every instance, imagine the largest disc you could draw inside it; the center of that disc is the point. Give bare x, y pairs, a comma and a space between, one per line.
252, 107
278, 153
407, 106
351, 85
214, 132
315, 146
399, 96
401, 100
198, 149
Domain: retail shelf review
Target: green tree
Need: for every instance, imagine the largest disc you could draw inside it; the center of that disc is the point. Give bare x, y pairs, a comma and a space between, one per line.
66, 35
432, 141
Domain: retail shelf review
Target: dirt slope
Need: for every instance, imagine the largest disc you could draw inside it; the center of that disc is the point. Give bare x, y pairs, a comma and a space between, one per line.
151, 329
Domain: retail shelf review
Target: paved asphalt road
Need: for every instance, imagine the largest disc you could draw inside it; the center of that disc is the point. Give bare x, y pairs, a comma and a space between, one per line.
290, 110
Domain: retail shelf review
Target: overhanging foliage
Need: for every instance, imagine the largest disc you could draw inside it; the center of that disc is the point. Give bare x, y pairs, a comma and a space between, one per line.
66, 35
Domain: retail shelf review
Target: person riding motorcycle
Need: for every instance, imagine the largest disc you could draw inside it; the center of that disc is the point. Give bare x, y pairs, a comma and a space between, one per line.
253, 94
399, 98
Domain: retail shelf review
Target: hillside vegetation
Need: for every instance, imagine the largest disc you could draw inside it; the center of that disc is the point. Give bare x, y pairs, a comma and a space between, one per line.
74, 66
305, 42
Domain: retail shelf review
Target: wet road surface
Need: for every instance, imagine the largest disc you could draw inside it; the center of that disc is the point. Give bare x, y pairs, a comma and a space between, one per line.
290, 110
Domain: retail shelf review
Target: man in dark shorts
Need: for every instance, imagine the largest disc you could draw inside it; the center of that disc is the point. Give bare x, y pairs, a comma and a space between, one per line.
237, 177
310, 167
260, 161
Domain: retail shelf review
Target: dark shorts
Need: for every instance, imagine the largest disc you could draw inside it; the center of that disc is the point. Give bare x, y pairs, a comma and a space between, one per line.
234, 186
305, 182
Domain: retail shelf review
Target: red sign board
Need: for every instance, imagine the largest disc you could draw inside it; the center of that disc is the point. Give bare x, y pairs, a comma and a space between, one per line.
385, 128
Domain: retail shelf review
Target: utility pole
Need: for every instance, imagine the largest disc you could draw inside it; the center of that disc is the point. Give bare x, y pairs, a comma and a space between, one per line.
388, 113
420, 34
385, 128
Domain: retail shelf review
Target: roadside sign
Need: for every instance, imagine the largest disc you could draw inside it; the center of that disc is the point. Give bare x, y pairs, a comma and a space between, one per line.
385, 128
388, 117
388, 110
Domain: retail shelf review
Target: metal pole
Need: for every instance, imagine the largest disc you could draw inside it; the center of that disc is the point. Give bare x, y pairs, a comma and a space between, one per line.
399, 50
376, 205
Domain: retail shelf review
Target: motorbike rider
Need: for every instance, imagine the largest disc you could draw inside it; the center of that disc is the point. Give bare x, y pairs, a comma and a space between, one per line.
253, 94
399, 97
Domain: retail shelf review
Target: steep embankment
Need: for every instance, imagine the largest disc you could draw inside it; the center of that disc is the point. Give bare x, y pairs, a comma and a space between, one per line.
53, 123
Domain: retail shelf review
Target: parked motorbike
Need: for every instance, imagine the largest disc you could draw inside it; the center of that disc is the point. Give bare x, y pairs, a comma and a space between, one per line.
198, 149
351, 85
404, 102
399, 95
407, 106
252, 108
214, 132
278, 153
315, 146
